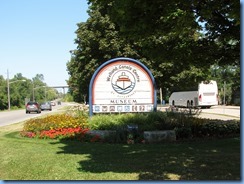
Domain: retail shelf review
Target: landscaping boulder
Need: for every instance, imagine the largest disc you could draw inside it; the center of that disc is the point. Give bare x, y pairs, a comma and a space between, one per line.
159, 136
102, 133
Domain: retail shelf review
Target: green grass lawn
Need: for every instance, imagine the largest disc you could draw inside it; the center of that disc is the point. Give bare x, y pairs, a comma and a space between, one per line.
35, 159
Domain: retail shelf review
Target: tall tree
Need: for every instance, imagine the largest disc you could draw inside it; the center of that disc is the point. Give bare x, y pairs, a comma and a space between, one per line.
220, 21
160, 45
180, 38
221, 25
177, 40
3, 93
97, 41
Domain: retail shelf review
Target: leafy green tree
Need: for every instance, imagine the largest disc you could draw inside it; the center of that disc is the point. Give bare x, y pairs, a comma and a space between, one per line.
221, 24
3, 93
229, 88
177, 40
161, 48
38, 87
21, 90
219, 21
97, 41
17, 90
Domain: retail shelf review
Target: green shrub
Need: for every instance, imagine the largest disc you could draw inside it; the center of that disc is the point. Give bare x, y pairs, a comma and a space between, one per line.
220, 129
105, 122
185, 126
145, 121
183, 133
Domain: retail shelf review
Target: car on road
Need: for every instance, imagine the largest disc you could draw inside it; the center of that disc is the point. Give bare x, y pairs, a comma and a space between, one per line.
53, 103
32, 107
46, 106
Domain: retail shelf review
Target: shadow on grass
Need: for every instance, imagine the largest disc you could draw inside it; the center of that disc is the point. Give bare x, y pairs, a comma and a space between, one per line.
203, 160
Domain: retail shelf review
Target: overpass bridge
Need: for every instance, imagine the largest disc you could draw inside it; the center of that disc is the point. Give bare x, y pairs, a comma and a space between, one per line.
63, 87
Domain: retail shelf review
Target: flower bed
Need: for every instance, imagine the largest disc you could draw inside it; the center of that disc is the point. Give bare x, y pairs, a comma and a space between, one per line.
59, 126
147, 128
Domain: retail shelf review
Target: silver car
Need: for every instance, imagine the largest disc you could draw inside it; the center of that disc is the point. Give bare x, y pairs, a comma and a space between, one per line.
46, 106
32, 107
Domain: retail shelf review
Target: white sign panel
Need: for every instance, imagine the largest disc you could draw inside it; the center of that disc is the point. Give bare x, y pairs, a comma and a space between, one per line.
122, 86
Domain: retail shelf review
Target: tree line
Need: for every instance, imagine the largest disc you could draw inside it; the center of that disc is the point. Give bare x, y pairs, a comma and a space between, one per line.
22, 89
181, 42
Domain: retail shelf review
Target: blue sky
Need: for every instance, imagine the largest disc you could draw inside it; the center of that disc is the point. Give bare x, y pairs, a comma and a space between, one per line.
37, 35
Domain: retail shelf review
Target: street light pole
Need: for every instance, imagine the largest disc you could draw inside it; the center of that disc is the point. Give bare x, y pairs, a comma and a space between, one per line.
9, 88
8, 91
33, 90
45, 93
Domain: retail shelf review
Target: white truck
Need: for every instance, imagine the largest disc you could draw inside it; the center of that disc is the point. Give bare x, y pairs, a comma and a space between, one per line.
206, 96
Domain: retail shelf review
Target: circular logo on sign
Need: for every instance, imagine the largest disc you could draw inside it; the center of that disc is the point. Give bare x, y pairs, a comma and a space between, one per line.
123, 82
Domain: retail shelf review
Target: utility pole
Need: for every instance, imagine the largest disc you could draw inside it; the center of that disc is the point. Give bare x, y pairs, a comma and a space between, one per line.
33, 92
8, 90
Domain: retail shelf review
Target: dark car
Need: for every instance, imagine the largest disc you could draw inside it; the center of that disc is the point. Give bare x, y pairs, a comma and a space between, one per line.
46, 106
32, 107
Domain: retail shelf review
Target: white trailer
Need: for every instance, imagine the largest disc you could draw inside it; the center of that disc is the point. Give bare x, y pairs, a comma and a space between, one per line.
206, 96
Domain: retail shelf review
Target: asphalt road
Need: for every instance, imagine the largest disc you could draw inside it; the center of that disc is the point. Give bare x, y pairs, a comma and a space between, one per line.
15, 116
221, 112
216, 112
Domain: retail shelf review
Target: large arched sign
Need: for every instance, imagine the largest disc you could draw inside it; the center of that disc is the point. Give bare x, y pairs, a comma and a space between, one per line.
122, 85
